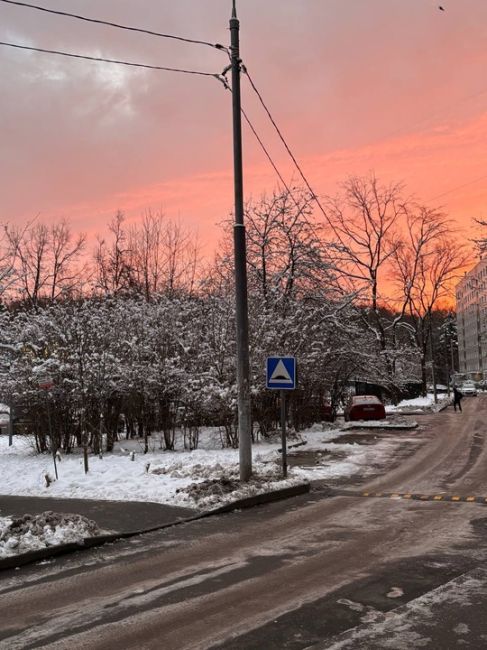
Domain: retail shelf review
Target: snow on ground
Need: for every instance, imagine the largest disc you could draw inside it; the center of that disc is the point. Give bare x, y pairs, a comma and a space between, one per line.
381, 424
166, 477
415, 624
33, 532
419, 403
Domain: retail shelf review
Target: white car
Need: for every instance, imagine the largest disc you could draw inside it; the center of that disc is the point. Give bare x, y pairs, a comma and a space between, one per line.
468, 388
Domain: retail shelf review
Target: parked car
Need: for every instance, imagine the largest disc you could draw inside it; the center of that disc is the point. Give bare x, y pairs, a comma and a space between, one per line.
364, 407
468, 388
328, 412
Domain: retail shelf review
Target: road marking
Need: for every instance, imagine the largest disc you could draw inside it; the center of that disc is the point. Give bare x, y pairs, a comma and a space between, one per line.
412, 496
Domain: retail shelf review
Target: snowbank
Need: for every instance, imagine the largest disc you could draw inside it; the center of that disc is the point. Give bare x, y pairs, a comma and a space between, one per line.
419, 404
166, 477
33, 532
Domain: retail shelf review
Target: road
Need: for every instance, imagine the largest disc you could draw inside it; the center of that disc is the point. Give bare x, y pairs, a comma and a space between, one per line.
310, 571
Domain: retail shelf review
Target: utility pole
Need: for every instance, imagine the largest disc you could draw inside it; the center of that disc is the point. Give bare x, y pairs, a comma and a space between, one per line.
241, 302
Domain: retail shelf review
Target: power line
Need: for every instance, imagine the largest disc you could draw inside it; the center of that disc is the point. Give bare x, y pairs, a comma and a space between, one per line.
116, 61
279, 175
298, 167
453, 189
97, 21
458, 187
293, 158
268, 155
266, 152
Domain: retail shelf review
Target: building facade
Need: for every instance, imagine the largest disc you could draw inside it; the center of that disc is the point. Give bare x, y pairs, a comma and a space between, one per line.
471, 298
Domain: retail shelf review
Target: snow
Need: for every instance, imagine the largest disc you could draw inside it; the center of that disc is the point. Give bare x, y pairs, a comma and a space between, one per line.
380, 424
33, 532
4, 414
415, 625
419, 403
164, 476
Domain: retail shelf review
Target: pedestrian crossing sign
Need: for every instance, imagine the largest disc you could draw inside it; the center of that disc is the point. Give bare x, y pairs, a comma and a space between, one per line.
281, 373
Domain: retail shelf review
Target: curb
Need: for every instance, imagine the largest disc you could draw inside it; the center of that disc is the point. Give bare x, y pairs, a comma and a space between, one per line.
444, 406
16, 561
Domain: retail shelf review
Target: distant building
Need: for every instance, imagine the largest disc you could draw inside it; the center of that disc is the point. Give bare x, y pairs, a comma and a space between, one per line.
471, 296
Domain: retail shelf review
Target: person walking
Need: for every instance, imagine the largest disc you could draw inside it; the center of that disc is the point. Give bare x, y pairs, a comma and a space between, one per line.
457, 399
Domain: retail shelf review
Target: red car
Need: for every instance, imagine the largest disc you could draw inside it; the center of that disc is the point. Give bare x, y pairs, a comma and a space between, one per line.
365, 407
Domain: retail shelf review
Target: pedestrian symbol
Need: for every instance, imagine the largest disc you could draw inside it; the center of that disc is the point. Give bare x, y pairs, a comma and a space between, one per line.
281, 373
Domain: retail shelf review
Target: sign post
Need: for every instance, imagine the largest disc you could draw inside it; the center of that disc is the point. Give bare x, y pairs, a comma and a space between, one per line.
11, 425
283, 433
46, 383
281, 375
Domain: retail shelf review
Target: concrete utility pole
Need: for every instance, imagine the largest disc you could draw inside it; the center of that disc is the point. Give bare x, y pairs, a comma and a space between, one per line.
242, 318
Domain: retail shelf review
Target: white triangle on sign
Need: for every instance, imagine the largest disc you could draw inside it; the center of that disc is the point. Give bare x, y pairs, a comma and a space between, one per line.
281, 374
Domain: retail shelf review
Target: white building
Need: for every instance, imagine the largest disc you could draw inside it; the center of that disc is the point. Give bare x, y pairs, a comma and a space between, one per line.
471, 296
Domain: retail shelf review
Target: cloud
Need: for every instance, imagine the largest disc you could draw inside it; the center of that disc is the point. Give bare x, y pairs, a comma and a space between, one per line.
386, 85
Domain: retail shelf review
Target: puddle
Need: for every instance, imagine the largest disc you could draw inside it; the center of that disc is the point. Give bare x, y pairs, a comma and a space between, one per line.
357, 439
312, 458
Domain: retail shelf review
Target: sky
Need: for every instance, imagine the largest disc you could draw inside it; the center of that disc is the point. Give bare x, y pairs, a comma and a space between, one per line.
392, 87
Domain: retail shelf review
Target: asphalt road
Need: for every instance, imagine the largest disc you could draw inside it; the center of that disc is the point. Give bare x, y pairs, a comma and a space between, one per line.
319, 570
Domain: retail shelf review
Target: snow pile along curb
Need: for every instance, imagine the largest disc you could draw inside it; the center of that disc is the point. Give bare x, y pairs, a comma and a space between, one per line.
20, 535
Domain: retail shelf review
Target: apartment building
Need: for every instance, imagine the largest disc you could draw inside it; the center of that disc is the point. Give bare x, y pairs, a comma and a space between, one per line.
471, 297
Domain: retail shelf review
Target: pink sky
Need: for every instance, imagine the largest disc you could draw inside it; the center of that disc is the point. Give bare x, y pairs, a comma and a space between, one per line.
396, 87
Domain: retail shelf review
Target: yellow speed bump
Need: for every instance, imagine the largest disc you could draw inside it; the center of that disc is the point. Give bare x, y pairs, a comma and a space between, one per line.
437, 497
470, 498
455, 498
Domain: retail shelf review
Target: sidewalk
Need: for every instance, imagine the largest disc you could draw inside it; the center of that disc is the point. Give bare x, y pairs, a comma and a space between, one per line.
112, 516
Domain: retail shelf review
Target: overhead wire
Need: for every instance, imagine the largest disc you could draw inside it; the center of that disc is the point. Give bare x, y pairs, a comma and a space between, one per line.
458, 187
114, 61
296, 164
268, 155
298, 167
300, 208
108, 23
219, 77
283, 140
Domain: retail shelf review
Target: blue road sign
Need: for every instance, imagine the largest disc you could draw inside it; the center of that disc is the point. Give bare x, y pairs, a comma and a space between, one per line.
281, 373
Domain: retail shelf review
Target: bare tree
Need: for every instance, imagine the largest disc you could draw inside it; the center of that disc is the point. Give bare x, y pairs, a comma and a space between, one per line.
145, 246
8, 250
285, 251
46, 260
365, 229
65, 275
32, 250
114, 272
481, 240
426, 267
181, 254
